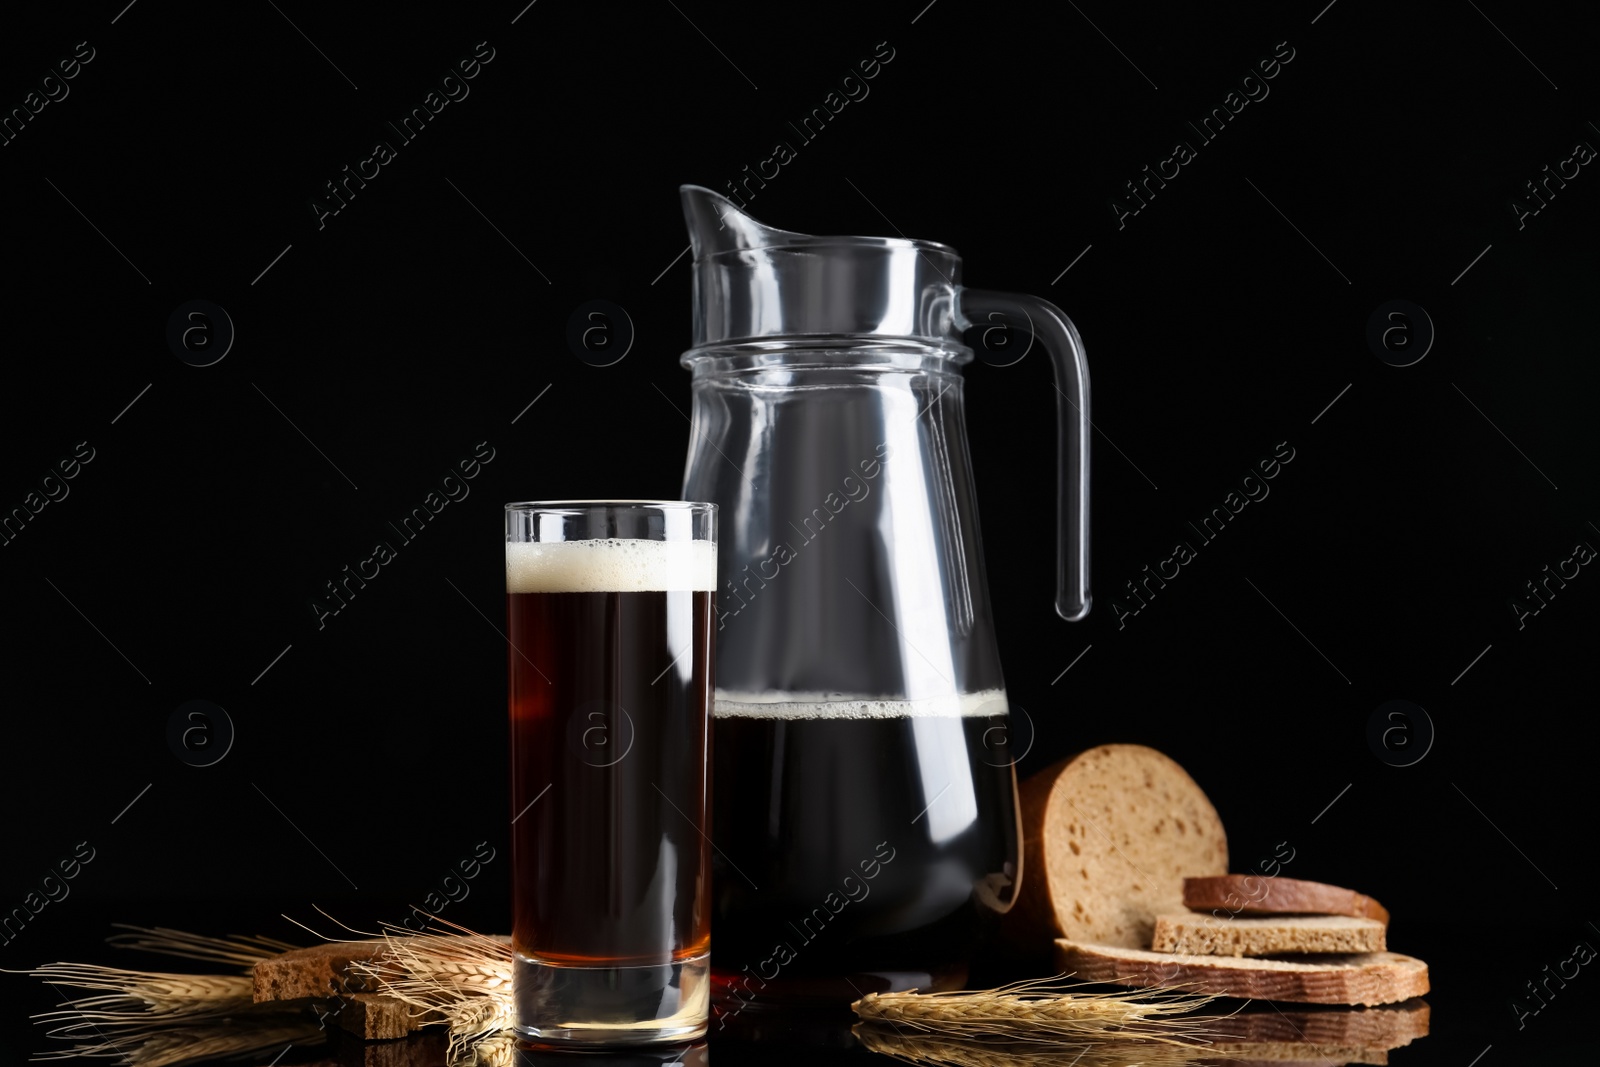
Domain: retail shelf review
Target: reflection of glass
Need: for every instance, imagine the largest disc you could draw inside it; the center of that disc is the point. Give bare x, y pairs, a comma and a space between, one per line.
865, 815
690, 1055
608, 611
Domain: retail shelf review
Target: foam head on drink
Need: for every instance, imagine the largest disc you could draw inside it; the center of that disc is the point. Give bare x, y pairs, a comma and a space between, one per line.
988, 703
610, 565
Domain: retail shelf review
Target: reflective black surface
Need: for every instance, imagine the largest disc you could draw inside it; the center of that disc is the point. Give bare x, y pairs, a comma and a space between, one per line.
1469, 1010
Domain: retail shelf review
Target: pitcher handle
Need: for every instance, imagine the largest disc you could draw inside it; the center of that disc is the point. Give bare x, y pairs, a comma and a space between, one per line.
1047, 324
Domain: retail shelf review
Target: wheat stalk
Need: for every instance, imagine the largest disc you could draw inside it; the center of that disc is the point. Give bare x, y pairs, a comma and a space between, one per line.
154, 1019
934, 1050
144, 993
463, 977
1033, 1009
150, 1019
242, 950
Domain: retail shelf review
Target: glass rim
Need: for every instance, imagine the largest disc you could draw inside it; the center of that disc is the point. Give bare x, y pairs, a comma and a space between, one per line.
556, 507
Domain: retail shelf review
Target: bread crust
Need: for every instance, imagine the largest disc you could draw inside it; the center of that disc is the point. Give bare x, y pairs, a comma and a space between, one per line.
1366, 978
1240, 894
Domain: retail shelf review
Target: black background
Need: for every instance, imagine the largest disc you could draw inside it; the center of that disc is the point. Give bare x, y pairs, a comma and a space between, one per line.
380, 349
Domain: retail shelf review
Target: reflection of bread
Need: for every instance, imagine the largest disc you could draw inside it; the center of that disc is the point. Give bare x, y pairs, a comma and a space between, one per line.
1272, 935
1343, 1035
1303, 1036
1108, 837
1364, 978
1254, 1054
429, 1046
1240, 894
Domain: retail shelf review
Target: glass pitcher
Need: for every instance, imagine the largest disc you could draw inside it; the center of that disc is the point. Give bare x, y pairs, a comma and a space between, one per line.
864, 800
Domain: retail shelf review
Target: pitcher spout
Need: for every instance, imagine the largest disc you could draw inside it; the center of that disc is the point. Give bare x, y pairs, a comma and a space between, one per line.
753, 281
716, 225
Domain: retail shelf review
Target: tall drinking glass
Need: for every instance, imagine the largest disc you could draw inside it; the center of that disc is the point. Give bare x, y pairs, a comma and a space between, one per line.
608, 609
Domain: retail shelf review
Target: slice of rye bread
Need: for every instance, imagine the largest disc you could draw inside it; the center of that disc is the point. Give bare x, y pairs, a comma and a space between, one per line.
1108, 836
377, 1016
1271, 935
1245, 894
1363, 978
322, 971
318, 971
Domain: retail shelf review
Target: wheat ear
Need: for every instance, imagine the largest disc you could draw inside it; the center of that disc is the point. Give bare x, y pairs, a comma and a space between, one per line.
496, 1050
149, 1019
144, 993
464, 977
243, 951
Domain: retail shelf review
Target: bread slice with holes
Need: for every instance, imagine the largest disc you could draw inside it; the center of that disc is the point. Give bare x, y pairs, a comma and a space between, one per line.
1272, 935
1243, 894
318, 971
1363, 978
1108, 836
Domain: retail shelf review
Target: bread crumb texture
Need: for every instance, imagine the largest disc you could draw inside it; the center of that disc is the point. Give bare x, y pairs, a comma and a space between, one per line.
1121, 827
